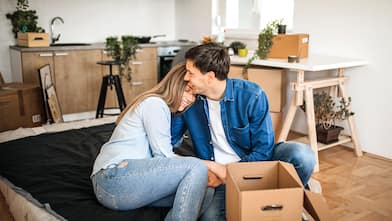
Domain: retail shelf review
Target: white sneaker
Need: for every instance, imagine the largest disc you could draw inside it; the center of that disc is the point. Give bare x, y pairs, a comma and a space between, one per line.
314, 186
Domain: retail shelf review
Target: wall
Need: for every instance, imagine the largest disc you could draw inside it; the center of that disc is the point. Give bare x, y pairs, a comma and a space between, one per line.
92, 21
358, 29
193, 19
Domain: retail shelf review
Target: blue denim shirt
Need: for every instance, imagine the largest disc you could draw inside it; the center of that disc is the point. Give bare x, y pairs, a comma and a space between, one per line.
245, 117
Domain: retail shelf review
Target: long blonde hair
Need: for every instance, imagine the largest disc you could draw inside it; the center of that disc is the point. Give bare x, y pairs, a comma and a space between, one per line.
170, 89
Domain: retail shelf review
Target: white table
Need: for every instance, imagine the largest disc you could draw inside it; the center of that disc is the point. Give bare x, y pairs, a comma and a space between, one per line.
301, 88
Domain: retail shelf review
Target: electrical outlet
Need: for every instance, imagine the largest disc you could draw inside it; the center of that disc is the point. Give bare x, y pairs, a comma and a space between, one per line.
36, 118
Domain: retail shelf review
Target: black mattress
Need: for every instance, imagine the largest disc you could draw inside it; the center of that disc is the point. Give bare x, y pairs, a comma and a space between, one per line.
55, 169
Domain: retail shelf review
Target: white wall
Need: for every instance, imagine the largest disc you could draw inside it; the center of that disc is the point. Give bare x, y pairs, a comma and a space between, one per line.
92, 21
193, 19
358, 29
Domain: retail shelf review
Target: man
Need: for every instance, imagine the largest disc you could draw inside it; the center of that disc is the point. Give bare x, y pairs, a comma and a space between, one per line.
230, 122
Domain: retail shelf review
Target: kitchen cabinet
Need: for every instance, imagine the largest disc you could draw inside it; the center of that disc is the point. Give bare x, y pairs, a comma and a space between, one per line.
76, 75
77, 79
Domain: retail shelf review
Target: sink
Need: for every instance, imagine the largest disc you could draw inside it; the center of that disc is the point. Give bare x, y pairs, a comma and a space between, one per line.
69, 44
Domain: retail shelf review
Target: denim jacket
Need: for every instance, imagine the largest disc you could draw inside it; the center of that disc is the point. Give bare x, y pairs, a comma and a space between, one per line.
245, 118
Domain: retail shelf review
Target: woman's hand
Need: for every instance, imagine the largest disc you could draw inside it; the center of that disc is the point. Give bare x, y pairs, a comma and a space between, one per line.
187, 99
218, 169
213, 180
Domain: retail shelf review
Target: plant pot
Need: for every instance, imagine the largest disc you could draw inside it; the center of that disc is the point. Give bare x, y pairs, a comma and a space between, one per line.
281, 29
242, 52
328, 136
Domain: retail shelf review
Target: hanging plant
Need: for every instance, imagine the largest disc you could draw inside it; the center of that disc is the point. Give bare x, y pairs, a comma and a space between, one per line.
265, 43
23, 19
123, 51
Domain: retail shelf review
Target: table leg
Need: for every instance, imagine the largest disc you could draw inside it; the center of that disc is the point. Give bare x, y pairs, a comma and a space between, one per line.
288, 120
351, 123
311, 123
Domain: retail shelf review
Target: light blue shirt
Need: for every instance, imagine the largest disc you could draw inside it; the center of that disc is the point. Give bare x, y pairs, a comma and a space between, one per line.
142, 133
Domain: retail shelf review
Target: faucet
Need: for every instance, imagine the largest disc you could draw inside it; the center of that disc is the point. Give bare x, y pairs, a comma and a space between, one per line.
52, 22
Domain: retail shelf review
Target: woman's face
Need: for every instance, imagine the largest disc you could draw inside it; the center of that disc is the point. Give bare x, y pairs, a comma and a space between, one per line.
187, 99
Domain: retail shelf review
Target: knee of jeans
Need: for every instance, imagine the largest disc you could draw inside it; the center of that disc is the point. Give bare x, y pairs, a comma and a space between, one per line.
198, 165
304, 153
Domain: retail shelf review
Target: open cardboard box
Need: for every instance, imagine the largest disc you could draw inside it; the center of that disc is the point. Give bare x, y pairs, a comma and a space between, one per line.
270, 191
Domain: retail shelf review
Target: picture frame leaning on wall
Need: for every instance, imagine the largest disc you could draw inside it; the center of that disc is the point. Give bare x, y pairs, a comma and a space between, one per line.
51, 103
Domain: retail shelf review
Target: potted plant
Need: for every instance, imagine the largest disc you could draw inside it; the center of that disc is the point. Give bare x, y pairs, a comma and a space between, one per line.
123, 51
265, 43
23, 19
326, 113
235, 45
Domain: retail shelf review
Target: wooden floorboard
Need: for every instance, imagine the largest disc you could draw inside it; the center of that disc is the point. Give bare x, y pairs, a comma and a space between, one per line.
356, 189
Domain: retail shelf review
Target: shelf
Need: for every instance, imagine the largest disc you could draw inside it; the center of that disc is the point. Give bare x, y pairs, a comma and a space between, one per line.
320, 146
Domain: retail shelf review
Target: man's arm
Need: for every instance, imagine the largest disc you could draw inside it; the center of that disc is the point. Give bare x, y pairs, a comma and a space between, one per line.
177, 128
260, 129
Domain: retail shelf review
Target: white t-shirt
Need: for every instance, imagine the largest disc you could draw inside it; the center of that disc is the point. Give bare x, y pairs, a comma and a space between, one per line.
223, 152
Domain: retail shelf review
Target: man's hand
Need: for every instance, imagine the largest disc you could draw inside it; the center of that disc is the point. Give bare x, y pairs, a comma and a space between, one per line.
218, 169
213, 180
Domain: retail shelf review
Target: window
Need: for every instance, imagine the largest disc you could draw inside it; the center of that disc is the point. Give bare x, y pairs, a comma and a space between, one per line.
255, 14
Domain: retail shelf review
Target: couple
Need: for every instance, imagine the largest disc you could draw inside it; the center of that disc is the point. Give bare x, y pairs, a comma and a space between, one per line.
228, 122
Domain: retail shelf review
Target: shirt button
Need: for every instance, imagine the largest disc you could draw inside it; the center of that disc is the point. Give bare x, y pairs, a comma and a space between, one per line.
210, 142
212, 158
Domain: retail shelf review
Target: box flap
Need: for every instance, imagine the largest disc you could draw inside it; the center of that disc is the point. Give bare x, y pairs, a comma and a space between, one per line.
290, 168
315, 204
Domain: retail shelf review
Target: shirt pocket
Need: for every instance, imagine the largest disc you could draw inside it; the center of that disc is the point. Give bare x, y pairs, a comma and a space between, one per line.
240, 136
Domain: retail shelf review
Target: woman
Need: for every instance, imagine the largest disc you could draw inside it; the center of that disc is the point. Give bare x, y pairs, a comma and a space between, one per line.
137, 166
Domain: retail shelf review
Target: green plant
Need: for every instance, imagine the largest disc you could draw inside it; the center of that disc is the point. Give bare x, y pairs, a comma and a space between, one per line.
235, 45
123, 51
23, 19
264, 43
327, 111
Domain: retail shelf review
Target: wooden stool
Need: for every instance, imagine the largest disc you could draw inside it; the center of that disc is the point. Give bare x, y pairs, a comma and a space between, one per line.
109, 81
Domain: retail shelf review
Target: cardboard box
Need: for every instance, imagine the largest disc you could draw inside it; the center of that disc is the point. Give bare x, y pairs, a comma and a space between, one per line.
33, 39
21, 105
290, 44
276, 118
269, 191
271, 80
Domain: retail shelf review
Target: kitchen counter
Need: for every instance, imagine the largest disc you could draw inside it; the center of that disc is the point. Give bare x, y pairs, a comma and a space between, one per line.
95, 46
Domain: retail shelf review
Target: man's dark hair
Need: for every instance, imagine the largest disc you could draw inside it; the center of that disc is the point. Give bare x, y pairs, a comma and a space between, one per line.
210, 57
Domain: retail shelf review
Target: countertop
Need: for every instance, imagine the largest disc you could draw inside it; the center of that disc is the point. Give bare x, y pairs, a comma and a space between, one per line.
315, 62
95, 46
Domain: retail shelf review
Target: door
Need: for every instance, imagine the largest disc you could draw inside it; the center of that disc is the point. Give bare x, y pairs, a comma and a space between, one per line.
31, 62
77, 79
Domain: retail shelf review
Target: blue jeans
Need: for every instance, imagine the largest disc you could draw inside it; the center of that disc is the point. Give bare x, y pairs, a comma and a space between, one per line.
298, 154
180, 183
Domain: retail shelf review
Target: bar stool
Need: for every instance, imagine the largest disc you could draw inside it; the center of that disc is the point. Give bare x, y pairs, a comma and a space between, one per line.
110, 80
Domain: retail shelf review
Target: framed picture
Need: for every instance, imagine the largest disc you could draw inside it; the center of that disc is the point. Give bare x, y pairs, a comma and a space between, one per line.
45, 77
51, 103
54, 105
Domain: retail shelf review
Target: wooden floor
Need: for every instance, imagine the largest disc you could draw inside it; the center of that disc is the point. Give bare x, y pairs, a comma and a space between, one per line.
356, 189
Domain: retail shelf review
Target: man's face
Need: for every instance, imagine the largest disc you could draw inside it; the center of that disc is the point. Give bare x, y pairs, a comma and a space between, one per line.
197, 81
